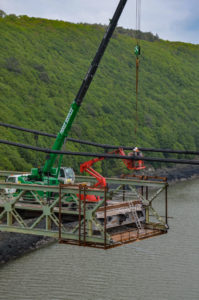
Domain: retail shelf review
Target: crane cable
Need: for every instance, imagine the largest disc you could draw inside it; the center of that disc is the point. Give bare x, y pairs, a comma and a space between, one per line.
137, 53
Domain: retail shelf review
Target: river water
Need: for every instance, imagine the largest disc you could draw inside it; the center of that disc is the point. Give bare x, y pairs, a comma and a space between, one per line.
162, 268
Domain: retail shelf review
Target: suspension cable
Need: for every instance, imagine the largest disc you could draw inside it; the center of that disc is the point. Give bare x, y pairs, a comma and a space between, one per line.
104, 146
106, 155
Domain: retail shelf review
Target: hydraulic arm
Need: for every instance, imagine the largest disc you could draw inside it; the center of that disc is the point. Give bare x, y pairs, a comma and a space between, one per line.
48, 167
130, 164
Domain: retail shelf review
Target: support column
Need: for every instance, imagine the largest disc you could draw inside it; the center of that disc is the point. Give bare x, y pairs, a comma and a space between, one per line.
8, 207
48, 223
166, 206
90, 231
147, 208
9, 218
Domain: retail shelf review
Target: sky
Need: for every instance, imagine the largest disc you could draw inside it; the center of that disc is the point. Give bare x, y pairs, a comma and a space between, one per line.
174, 20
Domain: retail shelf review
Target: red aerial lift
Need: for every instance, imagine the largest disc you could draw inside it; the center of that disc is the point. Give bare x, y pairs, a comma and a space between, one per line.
130, 164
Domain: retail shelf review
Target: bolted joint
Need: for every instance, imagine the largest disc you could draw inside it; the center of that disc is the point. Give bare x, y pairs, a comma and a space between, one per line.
47, 211
8, 207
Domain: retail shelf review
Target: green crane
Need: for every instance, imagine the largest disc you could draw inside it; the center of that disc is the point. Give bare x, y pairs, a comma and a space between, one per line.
48, 174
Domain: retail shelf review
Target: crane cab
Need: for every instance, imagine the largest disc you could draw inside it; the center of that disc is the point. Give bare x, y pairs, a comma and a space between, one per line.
66, 175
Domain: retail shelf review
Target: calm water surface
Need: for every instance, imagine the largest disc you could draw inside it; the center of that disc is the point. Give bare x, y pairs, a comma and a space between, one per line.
165, 267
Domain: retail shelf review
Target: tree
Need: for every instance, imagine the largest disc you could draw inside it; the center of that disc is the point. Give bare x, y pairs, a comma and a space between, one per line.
2, 13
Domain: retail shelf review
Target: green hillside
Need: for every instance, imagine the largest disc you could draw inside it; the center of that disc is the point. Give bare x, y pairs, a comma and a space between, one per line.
43, 63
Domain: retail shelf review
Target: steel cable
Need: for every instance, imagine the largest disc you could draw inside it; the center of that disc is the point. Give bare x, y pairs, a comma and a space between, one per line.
151, 159
104, 146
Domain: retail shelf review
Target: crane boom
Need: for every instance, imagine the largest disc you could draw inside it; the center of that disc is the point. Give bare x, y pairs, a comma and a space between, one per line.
83, 89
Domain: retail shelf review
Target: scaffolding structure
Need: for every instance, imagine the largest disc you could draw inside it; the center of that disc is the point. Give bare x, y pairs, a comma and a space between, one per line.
123, 215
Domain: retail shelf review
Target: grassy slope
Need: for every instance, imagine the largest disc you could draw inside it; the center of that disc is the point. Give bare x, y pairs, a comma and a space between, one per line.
42, 66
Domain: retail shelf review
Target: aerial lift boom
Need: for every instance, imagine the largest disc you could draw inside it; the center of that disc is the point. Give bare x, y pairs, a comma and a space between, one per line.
135, 165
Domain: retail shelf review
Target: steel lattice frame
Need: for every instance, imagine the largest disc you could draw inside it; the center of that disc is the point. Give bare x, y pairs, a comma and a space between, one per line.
55, 204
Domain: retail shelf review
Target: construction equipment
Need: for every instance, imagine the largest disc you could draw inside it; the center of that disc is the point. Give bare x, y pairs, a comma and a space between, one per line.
48, 174
130, 164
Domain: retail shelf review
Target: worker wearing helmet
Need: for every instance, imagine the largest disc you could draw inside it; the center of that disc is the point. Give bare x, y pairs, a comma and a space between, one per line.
136, 151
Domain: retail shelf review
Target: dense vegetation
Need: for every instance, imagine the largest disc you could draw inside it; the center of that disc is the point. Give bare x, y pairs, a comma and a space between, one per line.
43, 63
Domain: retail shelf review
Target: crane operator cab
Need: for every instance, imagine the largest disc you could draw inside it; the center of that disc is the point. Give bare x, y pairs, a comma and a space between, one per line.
136, 164
66, 175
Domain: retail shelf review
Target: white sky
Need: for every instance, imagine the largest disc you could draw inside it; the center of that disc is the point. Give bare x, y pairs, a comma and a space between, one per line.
174, 20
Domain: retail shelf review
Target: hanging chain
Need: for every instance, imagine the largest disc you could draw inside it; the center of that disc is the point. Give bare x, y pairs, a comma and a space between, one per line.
136, 103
